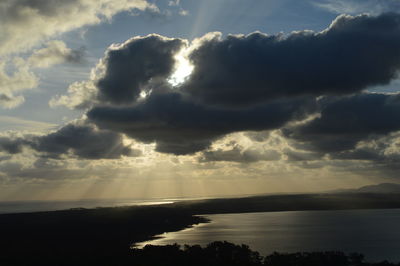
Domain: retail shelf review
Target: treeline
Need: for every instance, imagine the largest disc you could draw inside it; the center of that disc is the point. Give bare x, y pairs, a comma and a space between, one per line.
214, 254
228, 254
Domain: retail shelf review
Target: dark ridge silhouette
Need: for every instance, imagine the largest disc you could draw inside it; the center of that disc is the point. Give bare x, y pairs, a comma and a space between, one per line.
103, 236
378, 188
381, 188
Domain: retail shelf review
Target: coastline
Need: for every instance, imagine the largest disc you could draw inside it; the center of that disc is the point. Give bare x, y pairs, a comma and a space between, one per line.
112, 231
141, 244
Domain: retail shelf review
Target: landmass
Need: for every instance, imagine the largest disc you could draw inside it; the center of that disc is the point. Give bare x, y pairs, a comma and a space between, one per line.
377, 188
98, 236
225, 253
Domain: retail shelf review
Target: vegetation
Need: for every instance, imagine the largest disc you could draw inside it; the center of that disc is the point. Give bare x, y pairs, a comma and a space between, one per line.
214, 254
228, 254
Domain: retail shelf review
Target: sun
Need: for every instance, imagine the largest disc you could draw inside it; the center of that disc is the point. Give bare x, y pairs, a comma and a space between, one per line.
183, 68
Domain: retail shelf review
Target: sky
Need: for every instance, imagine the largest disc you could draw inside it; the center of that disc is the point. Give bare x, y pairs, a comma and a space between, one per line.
165, 99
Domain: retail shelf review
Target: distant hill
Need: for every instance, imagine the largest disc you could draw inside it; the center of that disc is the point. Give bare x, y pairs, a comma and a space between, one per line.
379, 188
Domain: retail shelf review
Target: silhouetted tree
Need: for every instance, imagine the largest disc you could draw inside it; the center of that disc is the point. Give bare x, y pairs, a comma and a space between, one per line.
228, 254
214, 254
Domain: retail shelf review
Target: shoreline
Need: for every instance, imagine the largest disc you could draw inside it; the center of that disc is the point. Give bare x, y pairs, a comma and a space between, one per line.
267, 232
112, 230
159, 236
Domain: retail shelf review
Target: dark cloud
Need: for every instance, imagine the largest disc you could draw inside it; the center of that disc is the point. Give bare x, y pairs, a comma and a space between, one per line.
83, 141
11, 145
357, 134
384, 149
352, 54
254, 83
360, 154
180, 126
346, 121
130, 67
240, 155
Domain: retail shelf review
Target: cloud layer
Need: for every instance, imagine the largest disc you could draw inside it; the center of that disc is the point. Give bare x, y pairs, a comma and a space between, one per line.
72, 140
249, 83
344, 122
181, 126
353, 54
308, 88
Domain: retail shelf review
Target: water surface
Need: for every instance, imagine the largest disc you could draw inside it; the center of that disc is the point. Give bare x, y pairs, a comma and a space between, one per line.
375, 233
40, 206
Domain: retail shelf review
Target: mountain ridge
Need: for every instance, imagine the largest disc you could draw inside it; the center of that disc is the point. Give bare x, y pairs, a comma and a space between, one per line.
376, 188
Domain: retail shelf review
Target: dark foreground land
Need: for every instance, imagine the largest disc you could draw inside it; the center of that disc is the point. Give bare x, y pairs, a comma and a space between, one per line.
103, 236
228, 254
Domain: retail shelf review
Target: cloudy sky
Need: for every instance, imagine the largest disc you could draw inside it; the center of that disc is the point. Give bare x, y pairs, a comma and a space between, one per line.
145, 99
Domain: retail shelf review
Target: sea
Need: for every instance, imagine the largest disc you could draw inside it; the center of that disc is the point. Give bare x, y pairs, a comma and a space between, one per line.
40, 206
374, 233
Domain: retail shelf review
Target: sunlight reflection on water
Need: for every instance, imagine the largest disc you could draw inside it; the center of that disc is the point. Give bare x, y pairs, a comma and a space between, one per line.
371, 232
39, 206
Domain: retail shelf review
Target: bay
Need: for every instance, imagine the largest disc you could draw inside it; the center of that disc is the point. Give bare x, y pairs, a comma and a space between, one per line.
375, 233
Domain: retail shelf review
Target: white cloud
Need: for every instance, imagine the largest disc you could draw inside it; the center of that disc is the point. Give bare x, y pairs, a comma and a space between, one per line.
177, 3
24, 24
174, 3
373, 7
55, 52
9, 101
20, 79
79, 95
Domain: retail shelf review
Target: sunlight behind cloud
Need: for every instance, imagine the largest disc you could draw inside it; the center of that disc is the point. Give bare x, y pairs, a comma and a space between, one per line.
183, 68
